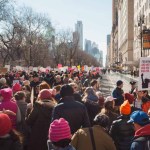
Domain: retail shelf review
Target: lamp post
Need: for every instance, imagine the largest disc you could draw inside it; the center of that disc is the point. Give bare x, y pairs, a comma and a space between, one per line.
140, 24
30, 53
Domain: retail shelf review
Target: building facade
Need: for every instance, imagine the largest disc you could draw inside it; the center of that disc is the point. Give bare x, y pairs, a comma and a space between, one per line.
88, 46
141, 11
125, 31
79, 31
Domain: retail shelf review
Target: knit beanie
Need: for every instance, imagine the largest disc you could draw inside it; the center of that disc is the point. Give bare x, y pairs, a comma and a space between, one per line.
5, 124
45, 94
59, 130
129, 97
6, 93
16, 87
125, 108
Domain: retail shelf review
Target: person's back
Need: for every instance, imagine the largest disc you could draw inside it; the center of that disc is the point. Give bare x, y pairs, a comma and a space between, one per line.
82, 139
74, 112
122, 132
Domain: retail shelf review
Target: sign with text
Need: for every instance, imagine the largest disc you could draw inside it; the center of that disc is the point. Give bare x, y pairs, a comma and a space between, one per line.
144, 74
146, 39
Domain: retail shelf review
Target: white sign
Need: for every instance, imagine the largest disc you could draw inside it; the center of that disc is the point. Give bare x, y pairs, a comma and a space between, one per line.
144, 74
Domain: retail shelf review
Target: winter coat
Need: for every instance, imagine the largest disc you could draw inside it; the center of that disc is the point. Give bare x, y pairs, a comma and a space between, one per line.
117, 93
9, 144
93, 109
122, 133
74, 112
81, 140
8, 104
139, 140
39, 121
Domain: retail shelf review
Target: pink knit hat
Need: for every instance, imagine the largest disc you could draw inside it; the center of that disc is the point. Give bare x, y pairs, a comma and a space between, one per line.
16, 87
59, 130
6, 93
45, 94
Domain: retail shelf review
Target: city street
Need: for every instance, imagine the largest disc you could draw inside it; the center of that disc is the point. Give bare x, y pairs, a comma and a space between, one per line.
108, 83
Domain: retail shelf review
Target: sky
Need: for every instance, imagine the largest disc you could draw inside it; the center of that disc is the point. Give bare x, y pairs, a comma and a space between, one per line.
96, 16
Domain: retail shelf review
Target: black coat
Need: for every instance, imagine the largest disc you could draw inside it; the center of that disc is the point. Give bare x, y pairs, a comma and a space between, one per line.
9, 144
122, 133
74, 112
39, 121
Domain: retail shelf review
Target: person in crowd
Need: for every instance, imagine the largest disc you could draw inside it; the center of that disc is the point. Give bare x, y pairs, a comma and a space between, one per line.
27, 90
3, 83
100, 98
9, 138
78, 82
122, 132
44, 85
22, 127
59, 135
76, 93
16, 88
95, 137
108, 110
95, 85
65, 79
91, 102
57, 96
58, 80
129, 97
133, 87
141, 123
146, 95
39, 120
70, 110
8, 104
141, 102
118, 93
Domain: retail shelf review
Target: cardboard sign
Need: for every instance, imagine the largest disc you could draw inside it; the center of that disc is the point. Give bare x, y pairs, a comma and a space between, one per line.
3, 70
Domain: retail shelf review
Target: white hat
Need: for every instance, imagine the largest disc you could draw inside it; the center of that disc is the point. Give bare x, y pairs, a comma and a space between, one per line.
109, 99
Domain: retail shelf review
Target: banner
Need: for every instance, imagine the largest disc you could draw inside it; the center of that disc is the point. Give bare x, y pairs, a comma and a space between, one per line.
146, 39
144, 74
59, 66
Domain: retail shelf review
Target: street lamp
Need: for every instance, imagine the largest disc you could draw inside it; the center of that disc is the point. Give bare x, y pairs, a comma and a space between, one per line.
30, 52
140, 24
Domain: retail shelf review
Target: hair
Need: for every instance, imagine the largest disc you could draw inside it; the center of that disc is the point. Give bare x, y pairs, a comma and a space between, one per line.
58, 87
108, 106
73, 84
62, 143
93, 82
28, 88
19, 95
44, 85
16, 136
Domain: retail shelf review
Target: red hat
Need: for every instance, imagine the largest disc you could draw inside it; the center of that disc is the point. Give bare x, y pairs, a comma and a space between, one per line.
45, 94
16, 87
59, 130
6, 93
129, 97
5, 124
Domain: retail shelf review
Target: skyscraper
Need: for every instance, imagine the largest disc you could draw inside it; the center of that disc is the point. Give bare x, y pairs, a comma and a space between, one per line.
88, 46
79, 31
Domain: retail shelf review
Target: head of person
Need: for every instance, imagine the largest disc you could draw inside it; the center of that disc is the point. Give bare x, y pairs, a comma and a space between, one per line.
129, 97
61, 128
58, 78
20, 96
66, 90
26, 88
133, 84
35, 78
16, 87
140, 94
139, 119
101, 120
119, 84
125, 108
5, 125
57, 88
3, 81
74, 86
6, 94
109, 103
45, 94
145, 93
44, 85
94, 84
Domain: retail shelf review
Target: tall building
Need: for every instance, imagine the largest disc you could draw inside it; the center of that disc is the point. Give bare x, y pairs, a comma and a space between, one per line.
108, 50
141, 10
125, 31
88, 46
79, 31
108, 39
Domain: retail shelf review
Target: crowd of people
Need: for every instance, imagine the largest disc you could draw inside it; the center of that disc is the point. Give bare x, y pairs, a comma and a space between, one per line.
67, 111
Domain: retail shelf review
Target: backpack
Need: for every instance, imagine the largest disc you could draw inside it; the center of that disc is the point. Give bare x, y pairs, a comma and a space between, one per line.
147, 143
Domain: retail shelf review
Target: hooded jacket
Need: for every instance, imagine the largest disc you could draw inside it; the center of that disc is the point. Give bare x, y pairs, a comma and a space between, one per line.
140, 138
39, 121
8, 104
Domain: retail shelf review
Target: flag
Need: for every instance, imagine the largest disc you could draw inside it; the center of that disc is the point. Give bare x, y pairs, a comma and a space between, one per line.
79, 67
